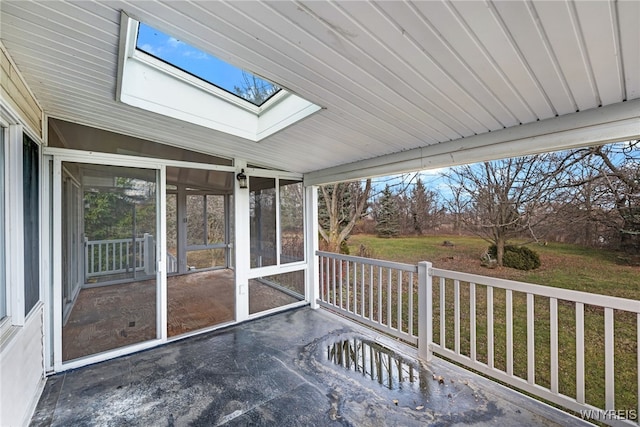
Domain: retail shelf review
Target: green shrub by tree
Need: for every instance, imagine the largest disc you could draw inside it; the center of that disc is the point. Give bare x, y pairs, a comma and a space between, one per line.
518, 257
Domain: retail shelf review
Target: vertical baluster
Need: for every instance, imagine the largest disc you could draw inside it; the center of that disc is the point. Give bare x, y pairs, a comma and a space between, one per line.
456, 315
399, 301
321, 280
348, 285
113, 256
553, 308
609, 372
410, 296
389, 297
531, 359
472, 321
580, 352
490, 347
509, 318
380, 308
341, 284
333, 282
100, 257
355, 288
371, 292
93, 265
443, 341
362, 291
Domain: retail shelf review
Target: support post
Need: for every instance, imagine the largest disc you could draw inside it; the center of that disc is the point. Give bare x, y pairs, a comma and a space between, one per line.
311, 241
425, 311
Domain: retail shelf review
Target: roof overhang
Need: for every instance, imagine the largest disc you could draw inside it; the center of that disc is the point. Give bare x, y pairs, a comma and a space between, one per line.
403, 85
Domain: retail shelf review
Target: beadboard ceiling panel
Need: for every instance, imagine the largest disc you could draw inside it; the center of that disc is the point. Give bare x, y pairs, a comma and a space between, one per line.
391, 77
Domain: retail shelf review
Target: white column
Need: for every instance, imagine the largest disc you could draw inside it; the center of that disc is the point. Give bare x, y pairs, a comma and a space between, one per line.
425, 311
242, 245
311, 242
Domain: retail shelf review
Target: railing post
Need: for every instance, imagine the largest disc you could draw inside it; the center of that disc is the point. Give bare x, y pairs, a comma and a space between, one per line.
425, 311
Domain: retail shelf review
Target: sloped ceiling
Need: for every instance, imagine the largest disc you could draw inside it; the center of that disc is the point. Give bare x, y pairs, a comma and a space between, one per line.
392, 77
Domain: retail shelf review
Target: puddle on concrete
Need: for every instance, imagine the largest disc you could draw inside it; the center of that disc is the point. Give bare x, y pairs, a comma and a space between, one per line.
374, 361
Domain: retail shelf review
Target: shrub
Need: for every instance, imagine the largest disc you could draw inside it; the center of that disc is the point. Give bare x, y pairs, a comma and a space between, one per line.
518, 257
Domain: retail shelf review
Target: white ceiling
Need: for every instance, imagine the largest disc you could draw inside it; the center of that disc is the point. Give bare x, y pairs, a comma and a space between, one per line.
392, 77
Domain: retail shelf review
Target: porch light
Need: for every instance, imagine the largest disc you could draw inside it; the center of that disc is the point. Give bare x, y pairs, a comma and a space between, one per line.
242, 179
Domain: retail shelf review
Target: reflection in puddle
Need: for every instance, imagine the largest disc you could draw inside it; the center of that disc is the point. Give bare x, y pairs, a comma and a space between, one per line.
373, 361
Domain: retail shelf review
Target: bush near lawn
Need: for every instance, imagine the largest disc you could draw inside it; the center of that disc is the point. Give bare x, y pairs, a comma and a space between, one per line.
562, 265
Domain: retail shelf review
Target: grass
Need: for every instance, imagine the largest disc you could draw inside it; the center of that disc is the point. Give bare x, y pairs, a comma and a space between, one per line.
564, 266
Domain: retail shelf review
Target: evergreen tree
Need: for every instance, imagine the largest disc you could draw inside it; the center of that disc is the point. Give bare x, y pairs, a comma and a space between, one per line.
387, 216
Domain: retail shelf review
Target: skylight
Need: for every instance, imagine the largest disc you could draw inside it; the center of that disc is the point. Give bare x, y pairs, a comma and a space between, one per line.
207, 67
158, 73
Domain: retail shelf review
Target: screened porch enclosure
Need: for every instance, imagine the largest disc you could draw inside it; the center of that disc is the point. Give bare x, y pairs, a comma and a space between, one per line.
110, 222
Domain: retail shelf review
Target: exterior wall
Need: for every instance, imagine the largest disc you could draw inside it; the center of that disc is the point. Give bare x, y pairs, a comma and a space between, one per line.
21, 338
21, 370
15, 92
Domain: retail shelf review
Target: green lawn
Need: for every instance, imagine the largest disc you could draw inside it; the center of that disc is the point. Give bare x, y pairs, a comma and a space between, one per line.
563, 265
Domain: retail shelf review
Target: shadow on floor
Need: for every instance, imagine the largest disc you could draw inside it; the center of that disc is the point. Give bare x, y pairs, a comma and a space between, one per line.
301, 367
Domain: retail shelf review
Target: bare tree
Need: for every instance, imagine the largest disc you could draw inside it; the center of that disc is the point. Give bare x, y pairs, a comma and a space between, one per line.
340, 207
505, 199
610, 174
255, 89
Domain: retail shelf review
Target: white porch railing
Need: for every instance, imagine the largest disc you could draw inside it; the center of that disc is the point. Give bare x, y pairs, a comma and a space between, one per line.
473, 319
115, 256
381, 294
105, 257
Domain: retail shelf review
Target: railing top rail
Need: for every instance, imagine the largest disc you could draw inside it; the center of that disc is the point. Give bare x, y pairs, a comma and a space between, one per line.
370, 261
98, 242
546, 291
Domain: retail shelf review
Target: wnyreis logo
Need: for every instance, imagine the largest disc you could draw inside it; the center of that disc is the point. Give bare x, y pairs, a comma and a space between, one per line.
609, 414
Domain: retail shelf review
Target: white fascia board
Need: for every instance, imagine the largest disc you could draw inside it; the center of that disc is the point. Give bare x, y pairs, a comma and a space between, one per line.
612, 123
288, 111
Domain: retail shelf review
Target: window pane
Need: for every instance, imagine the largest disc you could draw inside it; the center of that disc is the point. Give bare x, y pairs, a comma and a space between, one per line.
262, 205
195, 220
172, 233
291, 222
31, 207
206, 258
204, 66
270, 292
3, 278
215, 219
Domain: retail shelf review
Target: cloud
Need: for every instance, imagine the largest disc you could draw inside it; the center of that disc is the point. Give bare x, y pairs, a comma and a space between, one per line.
150, 49
195, 54
174, 42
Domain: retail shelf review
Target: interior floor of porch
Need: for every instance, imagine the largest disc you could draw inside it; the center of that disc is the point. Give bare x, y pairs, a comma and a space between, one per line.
300, 367
113, 316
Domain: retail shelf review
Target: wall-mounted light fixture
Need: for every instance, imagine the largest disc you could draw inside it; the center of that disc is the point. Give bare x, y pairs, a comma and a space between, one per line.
242, 179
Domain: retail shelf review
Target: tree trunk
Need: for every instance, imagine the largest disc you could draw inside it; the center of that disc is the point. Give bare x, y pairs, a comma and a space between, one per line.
499, 251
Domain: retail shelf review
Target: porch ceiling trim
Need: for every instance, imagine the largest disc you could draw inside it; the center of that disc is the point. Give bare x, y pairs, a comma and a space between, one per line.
617, 122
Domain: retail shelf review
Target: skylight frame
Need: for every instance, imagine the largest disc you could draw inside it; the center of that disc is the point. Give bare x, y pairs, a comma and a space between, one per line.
149, 83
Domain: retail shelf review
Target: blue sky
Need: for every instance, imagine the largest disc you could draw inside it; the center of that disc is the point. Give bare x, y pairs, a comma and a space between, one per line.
189, 59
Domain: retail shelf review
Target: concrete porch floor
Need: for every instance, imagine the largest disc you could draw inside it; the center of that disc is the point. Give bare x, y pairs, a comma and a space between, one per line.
276, 371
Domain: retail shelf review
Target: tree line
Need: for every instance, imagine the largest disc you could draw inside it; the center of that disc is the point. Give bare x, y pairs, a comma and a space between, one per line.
588, 196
